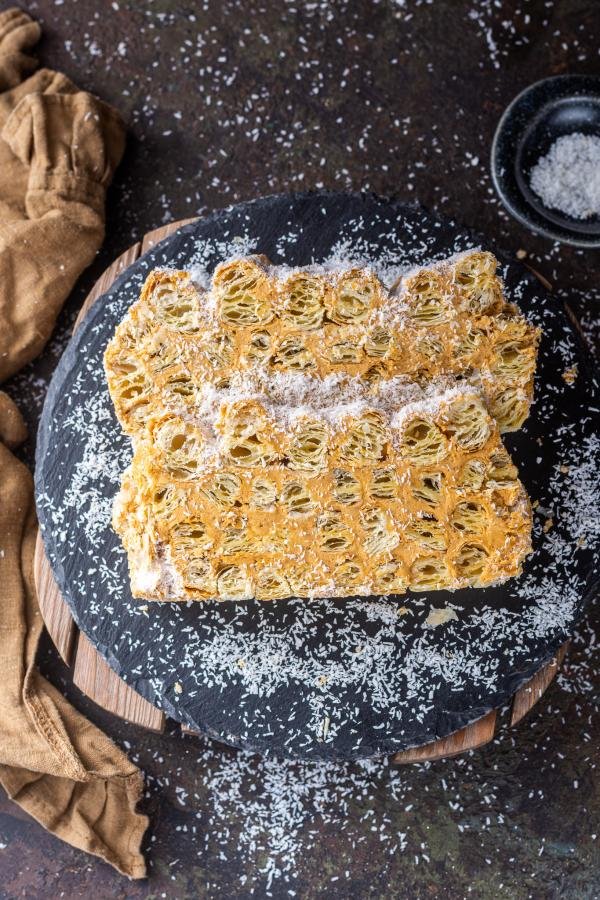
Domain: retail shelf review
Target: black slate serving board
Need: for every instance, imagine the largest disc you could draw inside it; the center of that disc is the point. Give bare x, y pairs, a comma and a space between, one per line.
346, 678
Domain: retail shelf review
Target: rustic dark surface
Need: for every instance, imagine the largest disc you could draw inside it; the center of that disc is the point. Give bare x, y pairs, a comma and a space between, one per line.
226, 101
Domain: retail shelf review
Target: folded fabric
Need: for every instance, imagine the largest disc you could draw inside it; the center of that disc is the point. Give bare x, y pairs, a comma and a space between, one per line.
18, 33
53, 762
58, 150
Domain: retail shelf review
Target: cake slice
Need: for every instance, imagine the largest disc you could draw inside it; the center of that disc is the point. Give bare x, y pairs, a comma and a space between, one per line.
311, 432
314, 502
450, 319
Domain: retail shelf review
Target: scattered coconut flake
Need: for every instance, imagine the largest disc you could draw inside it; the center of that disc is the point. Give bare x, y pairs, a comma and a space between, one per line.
440, 616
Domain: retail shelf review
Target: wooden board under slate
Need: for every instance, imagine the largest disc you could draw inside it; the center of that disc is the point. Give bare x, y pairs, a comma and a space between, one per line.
91, 673
415, 692
100, 683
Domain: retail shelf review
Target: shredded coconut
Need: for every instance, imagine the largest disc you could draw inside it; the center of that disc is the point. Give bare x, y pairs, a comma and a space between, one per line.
567, 178
288, 398
257, 651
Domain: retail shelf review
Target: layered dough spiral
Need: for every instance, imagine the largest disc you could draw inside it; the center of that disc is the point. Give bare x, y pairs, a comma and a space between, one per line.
311, 433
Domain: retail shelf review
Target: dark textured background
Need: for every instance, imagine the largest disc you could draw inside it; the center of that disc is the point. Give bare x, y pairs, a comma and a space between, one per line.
227, 101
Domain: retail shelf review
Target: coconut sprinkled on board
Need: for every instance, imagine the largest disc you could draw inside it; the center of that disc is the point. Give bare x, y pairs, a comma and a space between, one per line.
270, 821
305, 677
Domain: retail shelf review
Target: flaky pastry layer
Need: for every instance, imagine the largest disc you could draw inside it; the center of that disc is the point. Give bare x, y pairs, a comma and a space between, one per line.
450, 320
293, 436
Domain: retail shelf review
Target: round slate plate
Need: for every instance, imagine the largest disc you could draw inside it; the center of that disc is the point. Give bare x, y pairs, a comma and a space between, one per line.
330, 678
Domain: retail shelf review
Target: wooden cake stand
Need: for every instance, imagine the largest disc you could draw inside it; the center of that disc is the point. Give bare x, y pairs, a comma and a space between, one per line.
100, 683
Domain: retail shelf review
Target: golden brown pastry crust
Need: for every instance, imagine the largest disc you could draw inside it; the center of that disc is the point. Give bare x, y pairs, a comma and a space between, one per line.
449, 320
306, 435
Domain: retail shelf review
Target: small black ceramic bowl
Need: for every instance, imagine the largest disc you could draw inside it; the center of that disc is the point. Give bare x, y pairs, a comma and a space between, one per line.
534, 120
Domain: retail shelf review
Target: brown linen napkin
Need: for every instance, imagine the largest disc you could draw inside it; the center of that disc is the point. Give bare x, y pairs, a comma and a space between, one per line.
53, 762
58, 151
